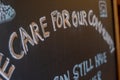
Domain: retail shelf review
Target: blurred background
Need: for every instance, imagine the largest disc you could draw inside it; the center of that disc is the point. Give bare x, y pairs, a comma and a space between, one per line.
119, 10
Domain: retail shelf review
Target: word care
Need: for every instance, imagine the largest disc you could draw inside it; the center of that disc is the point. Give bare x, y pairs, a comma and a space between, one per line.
59, 20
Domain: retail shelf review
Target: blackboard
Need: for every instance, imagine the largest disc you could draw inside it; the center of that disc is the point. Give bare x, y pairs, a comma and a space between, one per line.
57, 40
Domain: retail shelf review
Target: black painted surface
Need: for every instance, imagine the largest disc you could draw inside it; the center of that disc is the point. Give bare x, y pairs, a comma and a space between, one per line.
64, 48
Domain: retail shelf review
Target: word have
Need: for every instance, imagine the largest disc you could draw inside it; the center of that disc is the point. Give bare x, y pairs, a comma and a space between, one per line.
100, 59
81, 70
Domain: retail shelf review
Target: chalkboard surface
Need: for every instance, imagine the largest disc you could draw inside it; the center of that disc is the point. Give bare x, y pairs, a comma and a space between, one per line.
57, 40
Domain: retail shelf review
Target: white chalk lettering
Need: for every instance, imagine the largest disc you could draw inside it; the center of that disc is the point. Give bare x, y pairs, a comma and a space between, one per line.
60, 19
74, 19
25, 38
100, 59
76, 72
79, 18
66, 17
43, 26
53, 14
35, 33
98, 76
93, 21
109, 40
80, 70
63, 77
11, 48
83, 16
5, 71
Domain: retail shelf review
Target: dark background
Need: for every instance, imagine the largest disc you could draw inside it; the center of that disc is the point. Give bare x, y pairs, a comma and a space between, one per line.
64, 48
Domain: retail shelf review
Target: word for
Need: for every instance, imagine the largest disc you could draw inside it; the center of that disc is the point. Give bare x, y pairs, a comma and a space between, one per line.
81, 18
59, 20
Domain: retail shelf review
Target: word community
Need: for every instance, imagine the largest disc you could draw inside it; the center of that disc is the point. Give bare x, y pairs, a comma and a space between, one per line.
39, 32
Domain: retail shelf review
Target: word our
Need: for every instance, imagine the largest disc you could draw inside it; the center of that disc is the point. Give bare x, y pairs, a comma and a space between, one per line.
59, 20
78, 19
